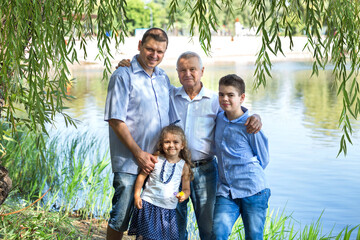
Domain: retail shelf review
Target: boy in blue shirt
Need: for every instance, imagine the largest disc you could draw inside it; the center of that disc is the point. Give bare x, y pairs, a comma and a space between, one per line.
242, 158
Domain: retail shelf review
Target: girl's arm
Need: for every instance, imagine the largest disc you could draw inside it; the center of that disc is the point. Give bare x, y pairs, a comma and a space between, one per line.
138, 186
185, 182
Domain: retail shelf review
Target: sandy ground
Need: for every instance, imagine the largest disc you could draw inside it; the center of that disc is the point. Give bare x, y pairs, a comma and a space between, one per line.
223, 49
96, 229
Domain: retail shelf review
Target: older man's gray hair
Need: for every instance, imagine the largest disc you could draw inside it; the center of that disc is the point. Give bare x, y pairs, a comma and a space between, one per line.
189, 54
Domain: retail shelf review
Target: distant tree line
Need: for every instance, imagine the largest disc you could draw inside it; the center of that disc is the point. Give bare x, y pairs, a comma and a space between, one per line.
138, 15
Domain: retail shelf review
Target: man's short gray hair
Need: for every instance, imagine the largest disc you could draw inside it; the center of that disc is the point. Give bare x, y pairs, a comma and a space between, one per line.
189, 54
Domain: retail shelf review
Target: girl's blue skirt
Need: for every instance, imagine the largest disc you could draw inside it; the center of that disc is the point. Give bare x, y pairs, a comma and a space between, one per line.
154, 223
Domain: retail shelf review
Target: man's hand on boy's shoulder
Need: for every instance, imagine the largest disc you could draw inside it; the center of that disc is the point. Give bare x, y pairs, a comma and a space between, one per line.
253, 124
124, 63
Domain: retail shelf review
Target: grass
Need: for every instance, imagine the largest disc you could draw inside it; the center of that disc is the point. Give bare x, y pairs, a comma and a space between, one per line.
279, 226
75, 170
79, 176
36, 224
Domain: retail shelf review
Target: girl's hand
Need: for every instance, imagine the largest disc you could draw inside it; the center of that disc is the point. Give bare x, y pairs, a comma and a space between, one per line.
181, 196
138, 202
123, 63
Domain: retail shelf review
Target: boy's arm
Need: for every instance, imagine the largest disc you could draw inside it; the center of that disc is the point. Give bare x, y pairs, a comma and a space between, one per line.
185, 184
137, 189
260, 147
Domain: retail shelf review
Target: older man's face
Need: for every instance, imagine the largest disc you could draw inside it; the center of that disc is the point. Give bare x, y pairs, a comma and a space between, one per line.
190, 73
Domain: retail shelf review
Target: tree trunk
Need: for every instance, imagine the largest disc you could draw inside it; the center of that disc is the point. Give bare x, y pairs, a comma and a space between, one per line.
5, 184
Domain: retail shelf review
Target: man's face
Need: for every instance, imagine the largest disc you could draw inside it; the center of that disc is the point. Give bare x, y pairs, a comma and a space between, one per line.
189, 72
151, 54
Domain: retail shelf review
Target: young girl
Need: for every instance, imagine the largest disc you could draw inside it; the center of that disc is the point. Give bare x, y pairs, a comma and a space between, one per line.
155, 216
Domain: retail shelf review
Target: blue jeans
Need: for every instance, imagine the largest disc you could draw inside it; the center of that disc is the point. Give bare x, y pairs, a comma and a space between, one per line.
203, 194
123, 201
253, 213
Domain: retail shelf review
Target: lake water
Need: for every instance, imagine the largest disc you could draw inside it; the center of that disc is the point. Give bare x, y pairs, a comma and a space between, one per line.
300, 118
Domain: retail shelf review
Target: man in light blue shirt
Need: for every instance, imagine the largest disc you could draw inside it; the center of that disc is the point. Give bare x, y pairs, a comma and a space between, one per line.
242, 157
197, 107
137, 108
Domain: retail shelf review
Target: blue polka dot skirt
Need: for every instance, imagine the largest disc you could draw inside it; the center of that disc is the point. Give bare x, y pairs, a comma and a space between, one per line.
154, 223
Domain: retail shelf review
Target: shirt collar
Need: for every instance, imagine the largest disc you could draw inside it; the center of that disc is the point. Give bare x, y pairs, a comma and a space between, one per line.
239, 119
136, 67
204, 93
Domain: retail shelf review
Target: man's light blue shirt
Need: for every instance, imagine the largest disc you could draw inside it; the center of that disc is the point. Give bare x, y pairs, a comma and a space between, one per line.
242, 158
140, 101
197, 119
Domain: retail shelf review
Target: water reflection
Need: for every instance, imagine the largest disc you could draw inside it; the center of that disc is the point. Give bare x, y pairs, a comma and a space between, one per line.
300, 117
89, 90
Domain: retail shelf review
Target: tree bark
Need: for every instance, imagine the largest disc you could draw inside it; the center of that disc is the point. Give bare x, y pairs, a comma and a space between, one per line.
5, 184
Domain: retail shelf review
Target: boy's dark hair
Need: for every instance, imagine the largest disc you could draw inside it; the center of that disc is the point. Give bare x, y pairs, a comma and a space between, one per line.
234, 81
157, 34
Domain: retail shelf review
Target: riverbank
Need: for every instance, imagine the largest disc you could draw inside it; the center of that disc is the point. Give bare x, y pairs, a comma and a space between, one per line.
38, 224
224, 49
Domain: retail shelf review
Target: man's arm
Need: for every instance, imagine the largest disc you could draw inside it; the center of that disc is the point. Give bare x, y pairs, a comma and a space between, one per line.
253, 124
146, 161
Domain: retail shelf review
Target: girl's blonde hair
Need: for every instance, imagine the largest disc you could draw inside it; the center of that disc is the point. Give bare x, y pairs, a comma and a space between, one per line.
184, 153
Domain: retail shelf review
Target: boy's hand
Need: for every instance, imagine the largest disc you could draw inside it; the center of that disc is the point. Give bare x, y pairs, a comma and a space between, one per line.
138, 202
253, 124
123, 63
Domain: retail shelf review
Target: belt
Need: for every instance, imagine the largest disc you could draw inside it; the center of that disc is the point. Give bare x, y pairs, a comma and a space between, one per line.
202, 161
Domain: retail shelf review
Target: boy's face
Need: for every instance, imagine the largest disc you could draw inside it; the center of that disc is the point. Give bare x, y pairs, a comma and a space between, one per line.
230, 99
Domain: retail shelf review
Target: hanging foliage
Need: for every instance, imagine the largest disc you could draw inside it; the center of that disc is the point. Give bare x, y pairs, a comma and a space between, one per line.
37, 41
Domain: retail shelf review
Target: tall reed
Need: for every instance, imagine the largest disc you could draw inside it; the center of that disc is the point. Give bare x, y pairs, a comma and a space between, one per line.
77, 168
73, 166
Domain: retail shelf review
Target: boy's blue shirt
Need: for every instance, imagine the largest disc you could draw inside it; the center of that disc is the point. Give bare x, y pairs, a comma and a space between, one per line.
242, 157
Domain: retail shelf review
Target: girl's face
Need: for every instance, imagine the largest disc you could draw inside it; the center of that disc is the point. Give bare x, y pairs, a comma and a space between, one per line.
172, 145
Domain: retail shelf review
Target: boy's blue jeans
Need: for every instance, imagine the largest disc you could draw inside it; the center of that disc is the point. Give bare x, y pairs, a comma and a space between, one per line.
252, 210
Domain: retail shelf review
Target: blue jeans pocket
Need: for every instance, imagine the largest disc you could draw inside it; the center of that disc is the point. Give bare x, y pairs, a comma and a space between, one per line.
266, 191
259, 199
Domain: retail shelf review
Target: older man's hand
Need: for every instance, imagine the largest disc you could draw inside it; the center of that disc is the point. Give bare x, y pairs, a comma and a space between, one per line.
253, 124
124, 63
